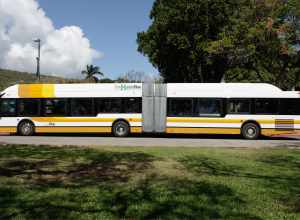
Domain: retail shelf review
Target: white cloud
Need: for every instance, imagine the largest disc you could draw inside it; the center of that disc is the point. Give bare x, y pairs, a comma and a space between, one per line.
65, 51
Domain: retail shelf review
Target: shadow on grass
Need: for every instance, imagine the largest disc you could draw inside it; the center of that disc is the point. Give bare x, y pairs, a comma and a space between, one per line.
72, 166
291, 182
71, 183
286, 184
150, 198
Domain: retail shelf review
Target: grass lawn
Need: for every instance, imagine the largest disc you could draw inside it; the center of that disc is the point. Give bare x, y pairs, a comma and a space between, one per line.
149, 183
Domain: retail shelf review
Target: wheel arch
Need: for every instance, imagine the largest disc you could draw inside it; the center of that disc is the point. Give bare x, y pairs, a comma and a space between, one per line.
253, 122
120, 119
25, 120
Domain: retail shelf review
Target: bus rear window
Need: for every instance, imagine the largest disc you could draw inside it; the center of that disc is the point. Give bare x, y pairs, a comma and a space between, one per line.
8, 107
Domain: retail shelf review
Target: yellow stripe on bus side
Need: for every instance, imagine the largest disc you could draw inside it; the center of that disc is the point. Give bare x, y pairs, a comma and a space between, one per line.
63, 119
203, 131
271, 132
8, 130
36, 91
73, 129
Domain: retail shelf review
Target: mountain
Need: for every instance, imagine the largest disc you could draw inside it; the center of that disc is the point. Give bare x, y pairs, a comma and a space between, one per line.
9, 78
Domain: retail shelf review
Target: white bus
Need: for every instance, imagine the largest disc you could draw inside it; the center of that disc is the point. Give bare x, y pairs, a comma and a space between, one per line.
226, 108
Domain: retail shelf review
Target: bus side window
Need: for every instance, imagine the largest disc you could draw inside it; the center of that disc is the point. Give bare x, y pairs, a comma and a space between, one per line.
82, 107
290, 106
132, 105
209, 107
266, 106
28, 107
55, 107
113, 105
239, 106
8, 107
180, 107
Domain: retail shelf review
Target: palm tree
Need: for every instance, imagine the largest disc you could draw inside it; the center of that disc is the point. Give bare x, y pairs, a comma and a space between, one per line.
91, 72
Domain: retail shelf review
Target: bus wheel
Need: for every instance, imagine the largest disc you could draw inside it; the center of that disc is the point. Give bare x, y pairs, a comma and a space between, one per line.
121, 129
26, 128
251, 131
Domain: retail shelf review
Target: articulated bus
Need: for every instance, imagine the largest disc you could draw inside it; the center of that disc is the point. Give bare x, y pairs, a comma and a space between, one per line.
245, 109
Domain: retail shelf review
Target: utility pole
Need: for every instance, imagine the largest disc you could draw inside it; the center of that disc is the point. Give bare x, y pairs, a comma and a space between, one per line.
38, 59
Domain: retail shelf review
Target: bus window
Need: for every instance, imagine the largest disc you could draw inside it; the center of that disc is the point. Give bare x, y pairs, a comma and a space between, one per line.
180, 108
132, 105
28, 107
266, 106
209, 108
239, 106
8, 107
55, 107
109, 105
82, 107
290, 106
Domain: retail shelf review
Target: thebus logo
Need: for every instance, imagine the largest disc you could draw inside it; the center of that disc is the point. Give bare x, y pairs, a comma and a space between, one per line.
124, 87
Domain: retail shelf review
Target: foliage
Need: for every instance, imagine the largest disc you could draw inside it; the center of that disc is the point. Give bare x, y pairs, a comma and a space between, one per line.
138, 77
40, 182
205, 40
92, 73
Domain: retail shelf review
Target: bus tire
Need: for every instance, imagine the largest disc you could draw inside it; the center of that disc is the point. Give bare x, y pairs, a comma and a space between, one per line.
26, 128
121, 129
251, 131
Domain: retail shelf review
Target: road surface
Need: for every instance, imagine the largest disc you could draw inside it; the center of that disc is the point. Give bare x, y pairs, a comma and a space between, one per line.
144, 141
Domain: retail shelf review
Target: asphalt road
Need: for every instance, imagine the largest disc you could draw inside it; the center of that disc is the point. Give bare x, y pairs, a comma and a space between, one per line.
156, 141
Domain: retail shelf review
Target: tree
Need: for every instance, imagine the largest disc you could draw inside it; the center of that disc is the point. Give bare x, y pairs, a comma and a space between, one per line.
176, 42
92, 72
205, 40
138, 77
263, 45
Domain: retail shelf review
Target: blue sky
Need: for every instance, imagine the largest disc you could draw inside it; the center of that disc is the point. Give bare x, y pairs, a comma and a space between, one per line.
111, 26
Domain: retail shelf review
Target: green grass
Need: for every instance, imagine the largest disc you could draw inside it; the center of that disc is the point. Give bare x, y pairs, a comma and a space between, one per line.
148, 183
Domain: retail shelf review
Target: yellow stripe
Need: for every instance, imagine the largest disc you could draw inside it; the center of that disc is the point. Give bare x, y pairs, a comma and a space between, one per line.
63, 119
73, 130
204, 120
136, 130
8, 130
271, 132
203, 131
36, 91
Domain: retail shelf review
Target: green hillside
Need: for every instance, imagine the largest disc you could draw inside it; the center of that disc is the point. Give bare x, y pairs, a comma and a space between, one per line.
9, 77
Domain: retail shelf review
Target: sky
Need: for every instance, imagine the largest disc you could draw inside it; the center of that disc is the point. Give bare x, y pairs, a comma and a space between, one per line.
74, 33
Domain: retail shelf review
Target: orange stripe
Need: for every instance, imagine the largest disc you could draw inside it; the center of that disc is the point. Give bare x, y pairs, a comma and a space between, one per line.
8, 130
36, 91
73, 129
203, 131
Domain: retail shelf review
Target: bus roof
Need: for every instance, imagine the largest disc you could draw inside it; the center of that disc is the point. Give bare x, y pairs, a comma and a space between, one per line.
214, 90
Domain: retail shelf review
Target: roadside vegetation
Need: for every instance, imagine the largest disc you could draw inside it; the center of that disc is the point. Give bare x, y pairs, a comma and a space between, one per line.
9, 78
148, 183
